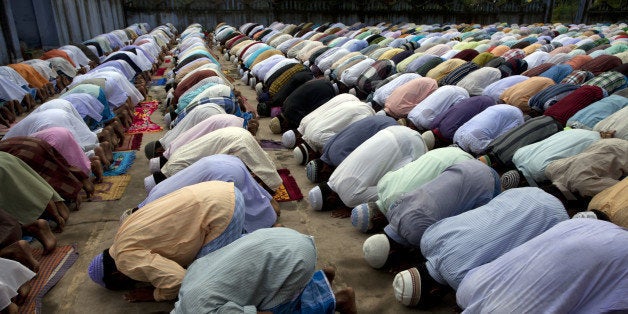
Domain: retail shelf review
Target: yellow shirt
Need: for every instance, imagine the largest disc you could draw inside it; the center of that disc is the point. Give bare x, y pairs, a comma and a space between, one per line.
156, 243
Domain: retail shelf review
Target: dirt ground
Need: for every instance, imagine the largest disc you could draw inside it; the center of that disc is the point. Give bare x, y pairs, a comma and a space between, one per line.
93, 228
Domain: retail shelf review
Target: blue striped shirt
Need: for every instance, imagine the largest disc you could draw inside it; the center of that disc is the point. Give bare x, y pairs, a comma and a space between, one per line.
455, 245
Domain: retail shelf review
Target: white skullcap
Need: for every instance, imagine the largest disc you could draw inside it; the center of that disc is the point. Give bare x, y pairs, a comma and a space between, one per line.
587, 214
153, 165
259, 87
326, 73
428, 138
352, 91
306, 63
149, 183
336, 90
407, 287
252, 81
301, 155
316, 198
288, 139
376, 249
232, 58
241, 71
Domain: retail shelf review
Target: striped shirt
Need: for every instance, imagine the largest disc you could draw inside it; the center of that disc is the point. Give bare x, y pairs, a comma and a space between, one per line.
455, 245
259, 271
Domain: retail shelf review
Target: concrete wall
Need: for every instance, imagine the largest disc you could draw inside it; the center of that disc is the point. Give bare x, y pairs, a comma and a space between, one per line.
47, 24
237, 12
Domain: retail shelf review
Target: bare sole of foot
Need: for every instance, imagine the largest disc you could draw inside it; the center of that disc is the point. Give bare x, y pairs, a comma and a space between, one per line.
345, 301
97, 169
330, 273
20, 251
63, 210
22, 293
41, 231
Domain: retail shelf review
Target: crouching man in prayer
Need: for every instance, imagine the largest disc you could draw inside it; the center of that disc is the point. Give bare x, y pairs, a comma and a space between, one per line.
268, 271
157, 242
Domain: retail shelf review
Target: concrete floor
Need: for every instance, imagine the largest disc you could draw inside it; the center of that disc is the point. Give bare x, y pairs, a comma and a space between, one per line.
93, 228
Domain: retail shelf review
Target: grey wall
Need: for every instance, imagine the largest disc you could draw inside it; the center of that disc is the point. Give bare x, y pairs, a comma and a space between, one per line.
47, 24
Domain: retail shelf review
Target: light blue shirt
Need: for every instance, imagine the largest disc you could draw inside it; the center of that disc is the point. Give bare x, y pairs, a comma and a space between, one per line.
257, 272
455, 245
258, 211
532, 159
577, 266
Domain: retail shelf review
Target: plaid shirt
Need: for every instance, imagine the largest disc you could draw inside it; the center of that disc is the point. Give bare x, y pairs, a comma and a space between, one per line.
514, 54
376, 72
577, 77
610, 81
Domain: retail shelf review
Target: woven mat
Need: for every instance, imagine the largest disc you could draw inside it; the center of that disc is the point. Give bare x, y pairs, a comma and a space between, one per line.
141, 118
131, 142
111, 189
122, 161
289, 190
52, 267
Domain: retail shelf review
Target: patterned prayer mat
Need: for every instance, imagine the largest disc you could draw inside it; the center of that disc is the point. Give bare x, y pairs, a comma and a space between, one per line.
158, 81
289, 190
131, 142
111, 189
271, 145
141, 119
52, 267
122, 161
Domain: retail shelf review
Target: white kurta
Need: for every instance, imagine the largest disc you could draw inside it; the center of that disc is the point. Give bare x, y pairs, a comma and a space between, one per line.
329, 122
355, 179
230, 141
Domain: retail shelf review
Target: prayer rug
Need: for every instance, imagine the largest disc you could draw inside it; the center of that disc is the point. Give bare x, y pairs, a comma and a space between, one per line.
158, 82
289, 190
160, 71
52, 267
110, 189
131, 142
122, 161
271, 145
141, 119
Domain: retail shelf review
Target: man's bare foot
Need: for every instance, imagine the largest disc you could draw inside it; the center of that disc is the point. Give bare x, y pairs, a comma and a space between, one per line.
88, 186
277, 225
97, 169
63, 210
345, 301
253, 126
108, 150
53, 211
12, 308
330, 273
275, 206
41, 231
22, 293
118, 130
20, 251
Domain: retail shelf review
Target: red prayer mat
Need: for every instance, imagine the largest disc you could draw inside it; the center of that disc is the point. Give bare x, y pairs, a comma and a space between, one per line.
52, 267
289, 190
141, 118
